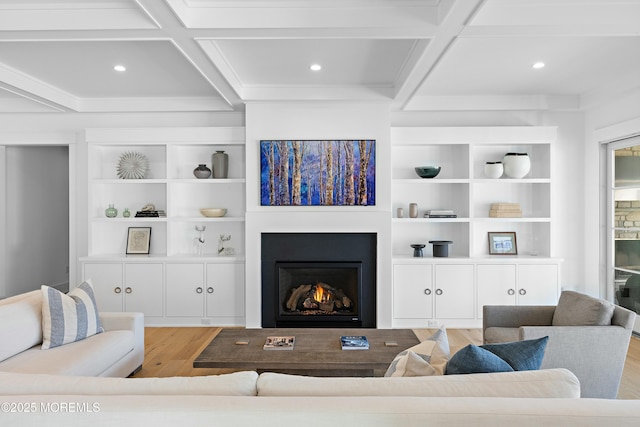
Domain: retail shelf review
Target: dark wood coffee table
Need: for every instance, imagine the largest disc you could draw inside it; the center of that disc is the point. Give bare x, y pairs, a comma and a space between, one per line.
317, 352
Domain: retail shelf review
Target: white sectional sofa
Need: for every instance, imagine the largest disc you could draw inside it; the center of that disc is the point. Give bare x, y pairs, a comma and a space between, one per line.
524, 398
116, 352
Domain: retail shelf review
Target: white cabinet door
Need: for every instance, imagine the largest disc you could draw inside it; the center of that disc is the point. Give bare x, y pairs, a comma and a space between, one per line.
412, 291
454, 297
496, 285
225, 290
143, 288
107, 285
185, 289
538, 284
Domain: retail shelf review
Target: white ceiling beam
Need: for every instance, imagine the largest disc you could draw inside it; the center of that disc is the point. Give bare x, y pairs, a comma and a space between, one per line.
597, 30
459, 14
36, 90
307, 14
494, 103
90, 15
291, 93
176, 104
190, 48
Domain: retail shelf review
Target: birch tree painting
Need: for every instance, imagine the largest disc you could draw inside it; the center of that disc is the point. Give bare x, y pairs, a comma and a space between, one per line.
318, 173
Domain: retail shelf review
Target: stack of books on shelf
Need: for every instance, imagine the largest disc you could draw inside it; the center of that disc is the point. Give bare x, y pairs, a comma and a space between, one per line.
505, 210
151, 214
440, 213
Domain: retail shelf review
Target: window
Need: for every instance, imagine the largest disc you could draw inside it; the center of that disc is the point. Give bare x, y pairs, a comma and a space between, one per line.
624, 222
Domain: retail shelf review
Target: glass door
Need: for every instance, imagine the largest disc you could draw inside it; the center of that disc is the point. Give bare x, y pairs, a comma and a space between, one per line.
624, 223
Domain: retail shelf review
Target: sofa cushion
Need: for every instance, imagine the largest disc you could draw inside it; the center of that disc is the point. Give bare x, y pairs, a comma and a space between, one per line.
542, 383
427, 358
235, 384
68, 318
496, 334
20, 323
514, 356
89, 357
576, 309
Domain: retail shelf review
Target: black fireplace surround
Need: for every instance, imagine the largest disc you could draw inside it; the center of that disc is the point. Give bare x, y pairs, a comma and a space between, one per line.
342, 265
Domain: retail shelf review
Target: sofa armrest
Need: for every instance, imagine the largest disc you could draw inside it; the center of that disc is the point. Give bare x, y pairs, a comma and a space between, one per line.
134, 322
623, 317
514, 316
116, 321
596, 354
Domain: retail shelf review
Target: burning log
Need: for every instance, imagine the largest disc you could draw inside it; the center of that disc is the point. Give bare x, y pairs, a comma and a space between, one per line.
292, 303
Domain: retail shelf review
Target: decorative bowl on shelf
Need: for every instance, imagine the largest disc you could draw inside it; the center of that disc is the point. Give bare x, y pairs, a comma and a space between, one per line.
213, 212
427, 171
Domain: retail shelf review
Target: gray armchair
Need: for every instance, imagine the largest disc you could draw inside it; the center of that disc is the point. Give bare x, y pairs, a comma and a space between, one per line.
595, 354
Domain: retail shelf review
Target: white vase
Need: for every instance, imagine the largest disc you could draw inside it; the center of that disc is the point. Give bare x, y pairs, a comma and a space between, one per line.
516, 165
493, 169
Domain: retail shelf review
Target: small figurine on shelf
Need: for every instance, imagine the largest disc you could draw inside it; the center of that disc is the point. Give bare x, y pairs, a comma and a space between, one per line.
222, 250
198, 242
126, 213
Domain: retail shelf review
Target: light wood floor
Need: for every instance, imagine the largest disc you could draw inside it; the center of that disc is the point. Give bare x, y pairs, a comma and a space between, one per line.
170, 352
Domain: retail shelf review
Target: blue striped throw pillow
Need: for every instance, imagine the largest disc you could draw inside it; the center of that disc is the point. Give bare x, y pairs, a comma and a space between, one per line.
68, 318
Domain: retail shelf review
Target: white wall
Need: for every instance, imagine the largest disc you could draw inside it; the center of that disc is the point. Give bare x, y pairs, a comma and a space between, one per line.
37, 215
318, 120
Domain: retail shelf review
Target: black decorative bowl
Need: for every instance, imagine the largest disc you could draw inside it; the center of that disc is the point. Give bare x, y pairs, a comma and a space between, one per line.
427, 171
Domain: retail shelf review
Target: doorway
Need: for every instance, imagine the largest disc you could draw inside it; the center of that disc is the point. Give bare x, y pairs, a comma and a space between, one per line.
36, 218
623, 265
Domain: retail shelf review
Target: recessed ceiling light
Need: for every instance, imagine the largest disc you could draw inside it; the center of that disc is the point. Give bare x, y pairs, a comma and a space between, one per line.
120, 68
315, 67
538, 65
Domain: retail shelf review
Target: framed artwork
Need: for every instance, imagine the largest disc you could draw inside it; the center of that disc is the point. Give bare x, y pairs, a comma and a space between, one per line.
503, 243
138, 240
318, 173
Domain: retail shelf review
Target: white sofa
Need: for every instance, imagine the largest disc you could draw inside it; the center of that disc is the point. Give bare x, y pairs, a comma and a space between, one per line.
524, 398
117, 352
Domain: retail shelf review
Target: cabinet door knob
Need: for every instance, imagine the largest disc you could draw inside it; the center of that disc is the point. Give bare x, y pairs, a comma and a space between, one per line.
438, 291
511, 292
117, 290
427, 291
199, 290
128, 290
210, 290
522, 291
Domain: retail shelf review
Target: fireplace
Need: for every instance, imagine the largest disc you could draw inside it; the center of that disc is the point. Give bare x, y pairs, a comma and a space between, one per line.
318, 280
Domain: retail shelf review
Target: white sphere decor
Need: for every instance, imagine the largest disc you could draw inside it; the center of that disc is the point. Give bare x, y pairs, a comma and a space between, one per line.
493, 169
516, 165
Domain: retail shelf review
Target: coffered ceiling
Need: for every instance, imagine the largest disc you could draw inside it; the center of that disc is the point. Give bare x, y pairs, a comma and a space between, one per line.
216, 55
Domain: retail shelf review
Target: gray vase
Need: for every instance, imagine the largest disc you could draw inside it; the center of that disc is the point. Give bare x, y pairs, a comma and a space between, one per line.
220, 162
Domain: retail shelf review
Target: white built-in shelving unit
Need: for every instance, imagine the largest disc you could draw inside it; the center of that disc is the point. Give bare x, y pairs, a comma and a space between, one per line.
432, 290
170, 185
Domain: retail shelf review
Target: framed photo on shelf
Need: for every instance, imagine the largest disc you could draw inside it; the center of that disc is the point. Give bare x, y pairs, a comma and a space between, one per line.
138, 240
503, 243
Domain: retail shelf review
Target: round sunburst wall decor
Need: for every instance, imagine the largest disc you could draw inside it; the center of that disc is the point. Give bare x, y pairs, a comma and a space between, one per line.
132, 165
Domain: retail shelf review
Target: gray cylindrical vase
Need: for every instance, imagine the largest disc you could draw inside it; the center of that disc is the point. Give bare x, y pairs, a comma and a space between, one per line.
220, 163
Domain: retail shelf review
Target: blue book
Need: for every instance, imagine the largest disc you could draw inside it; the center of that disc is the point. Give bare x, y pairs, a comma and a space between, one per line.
357, 342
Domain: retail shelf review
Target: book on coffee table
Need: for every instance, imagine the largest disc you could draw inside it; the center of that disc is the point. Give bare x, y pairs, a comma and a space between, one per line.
279, 343
351, 342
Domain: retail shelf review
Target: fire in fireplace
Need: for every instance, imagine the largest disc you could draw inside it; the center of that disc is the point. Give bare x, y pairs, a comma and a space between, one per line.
319, 289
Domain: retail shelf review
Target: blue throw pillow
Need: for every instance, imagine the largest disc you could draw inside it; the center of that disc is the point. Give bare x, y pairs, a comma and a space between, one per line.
475, 360
524, 355
505, 357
